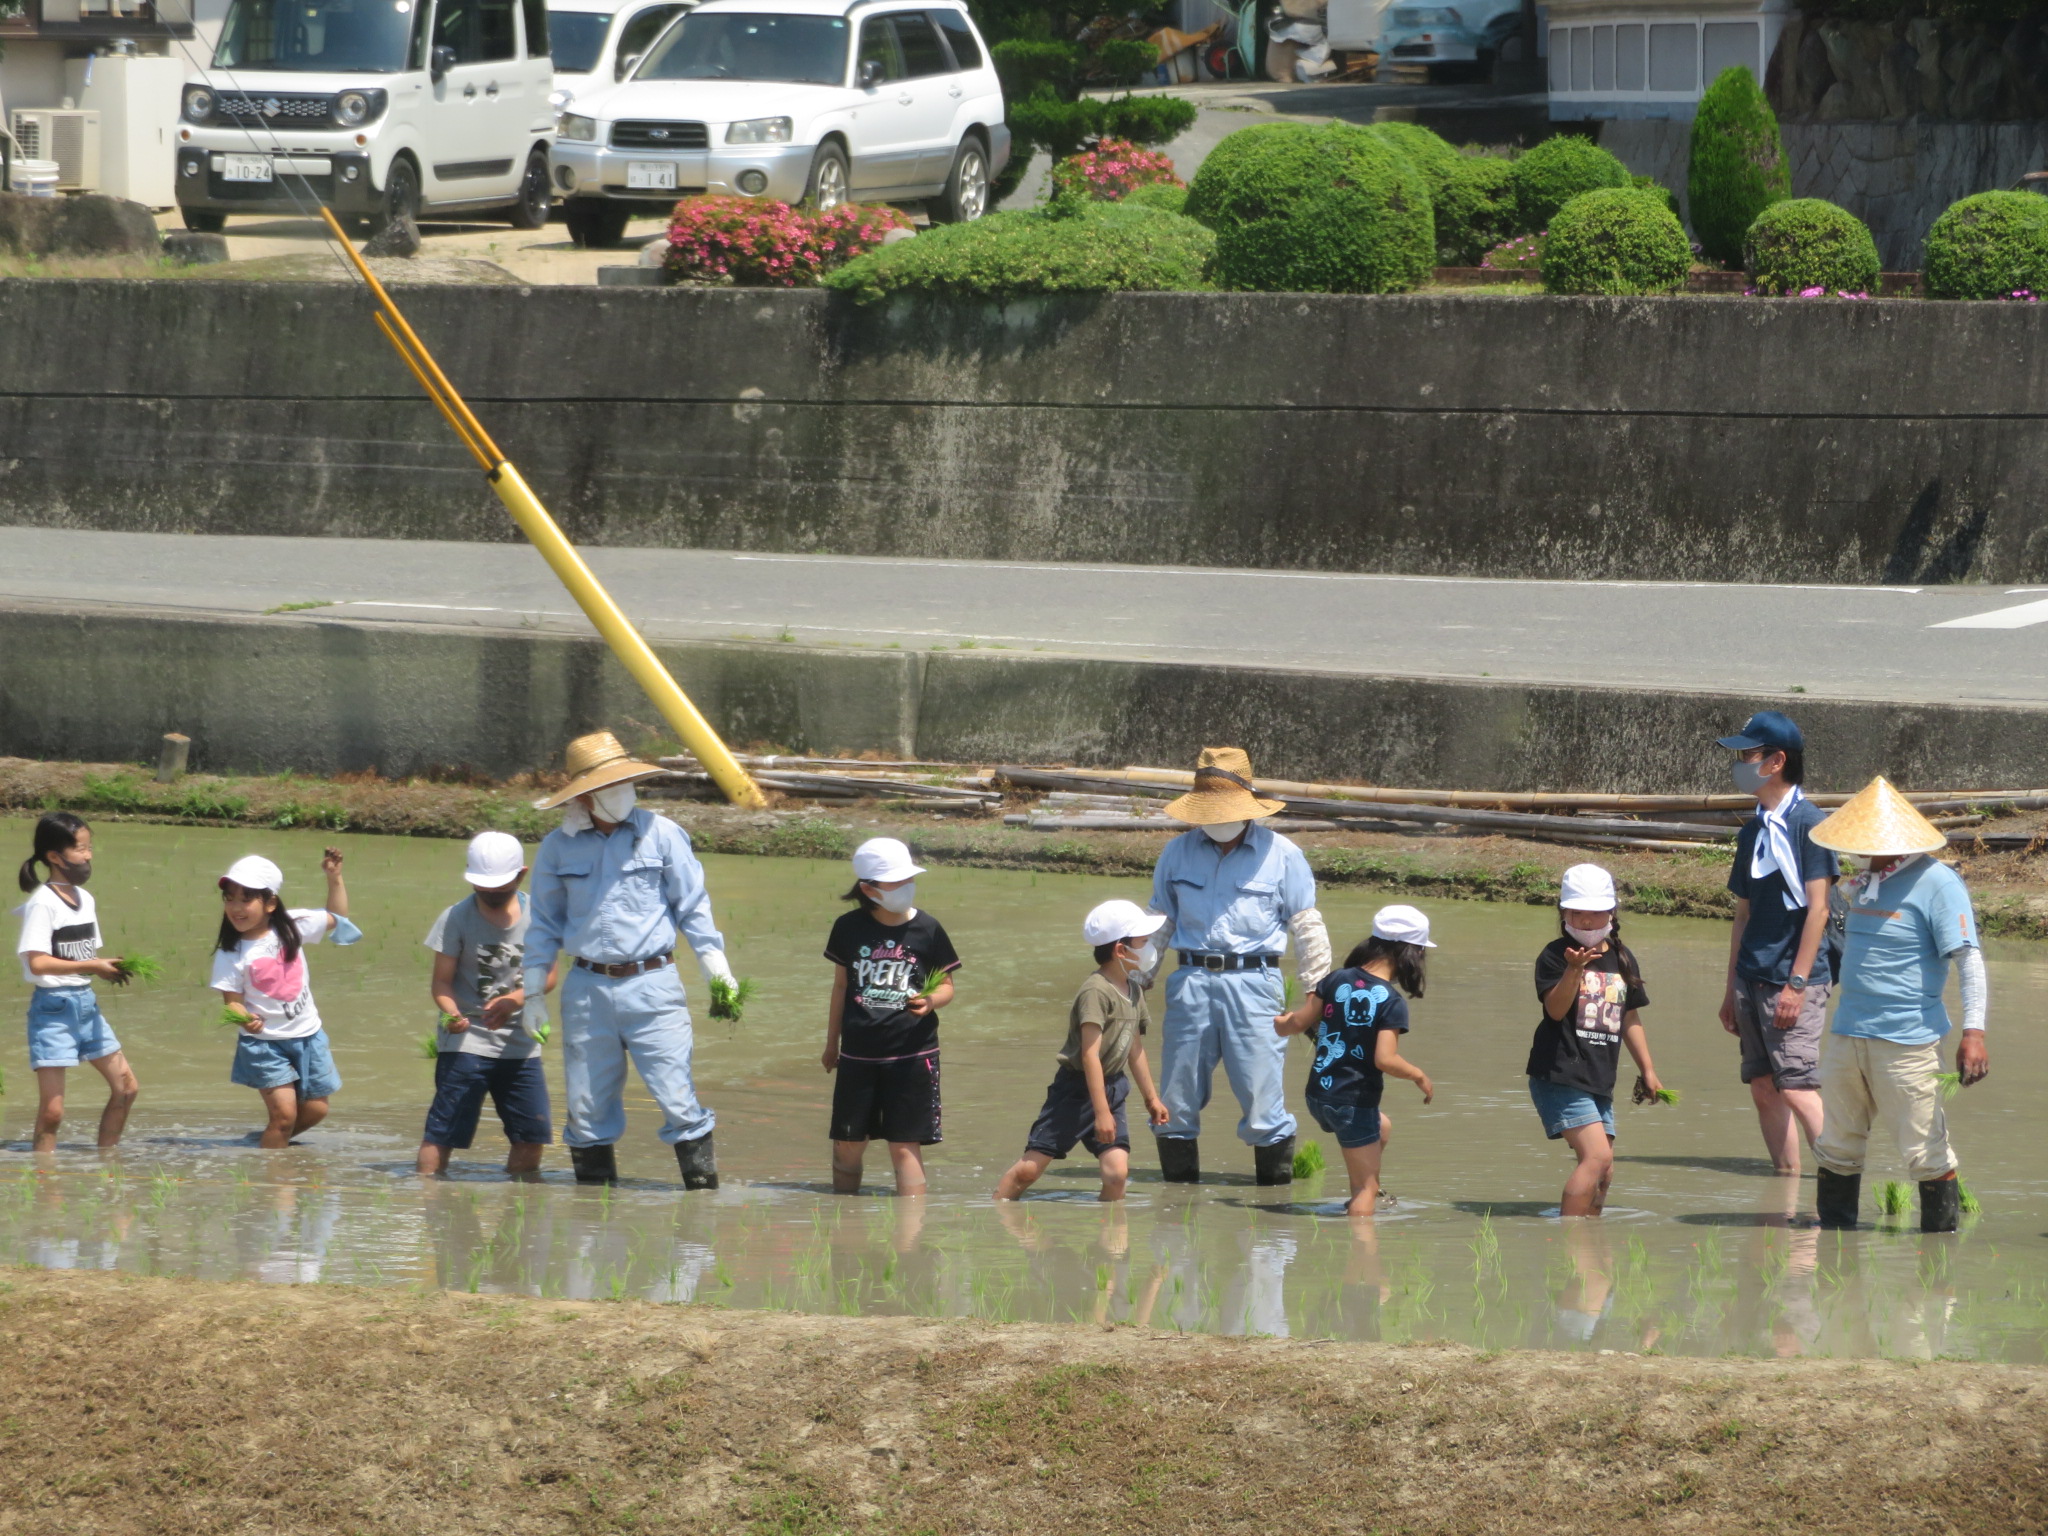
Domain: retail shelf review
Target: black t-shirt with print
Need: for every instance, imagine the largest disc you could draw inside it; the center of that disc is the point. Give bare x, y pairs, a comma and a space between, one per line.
1584, 1051
886, 966
1357, 1005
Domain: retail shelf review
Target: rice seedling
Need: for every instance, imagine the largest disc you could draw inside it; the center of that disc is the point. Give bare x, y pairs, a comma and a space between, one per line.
430, 1048
1972, 1206
933, 982
1666, 1095
1951, 1084
1893, 1198
1308, 1161
231, 1018
1645, 1094
729, 998
137, 968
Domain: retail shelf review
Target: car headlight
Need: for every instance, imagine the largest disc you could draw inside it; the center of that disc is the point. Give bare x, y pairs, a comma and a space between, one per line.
198, 104
581, 129
354, 108
759, 130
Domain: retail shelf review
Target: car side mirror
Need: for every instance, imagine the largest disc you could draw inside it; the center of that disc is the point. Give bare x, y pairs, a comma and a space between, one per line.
869, 75
439, 62
625, 66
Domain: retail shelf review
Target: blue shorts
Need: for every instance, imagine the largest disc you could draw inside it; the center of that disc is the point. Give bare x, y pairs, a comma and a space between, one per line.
1354, 1122
66, 1028
1069, 1115
517, 1086
1563, 1108
306, 1062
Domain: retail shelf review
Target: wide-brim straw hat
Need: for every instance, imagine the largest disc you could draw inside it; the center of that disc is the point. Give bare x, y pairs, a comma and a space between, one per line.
593, 762
1879, 822
1223, 791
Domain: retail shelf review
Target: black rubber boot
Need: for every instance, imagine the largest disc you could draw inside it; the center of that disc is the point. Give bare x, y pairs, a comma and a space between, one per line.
594, 1165
1837, 1197
1274, 1164
1941, 1204
699, 1163
1180, 1160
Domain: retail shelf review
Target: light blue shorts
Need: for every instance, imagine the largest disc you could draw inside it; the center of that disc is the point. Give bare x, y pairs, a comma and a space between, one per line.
306, 1062
1566, 1109
66, 1028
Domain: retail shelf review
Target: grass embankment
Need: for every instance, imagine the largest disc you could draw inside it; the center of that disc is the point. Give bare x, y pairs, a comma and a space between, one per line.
2010, 889
163, 1406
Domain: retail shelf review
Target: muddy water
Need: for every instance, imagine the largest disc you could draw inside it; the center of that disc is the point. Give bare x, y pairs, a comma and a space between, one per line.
1703, 1251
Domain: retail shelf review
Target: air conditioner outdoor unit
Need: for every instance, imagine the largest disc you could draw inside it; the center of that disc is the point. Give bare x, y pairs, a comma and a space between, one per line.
72, 139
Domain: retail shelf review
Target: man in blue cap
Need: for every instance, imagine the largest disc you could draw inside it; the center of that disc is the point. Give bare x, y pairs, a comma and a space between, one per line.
1778, 976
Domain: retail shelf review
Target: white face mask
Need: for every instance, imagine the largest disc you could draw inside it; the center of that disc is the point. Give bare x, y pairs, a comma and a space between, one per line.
614, 802
1148, 960
1586, 938
899, 899
1226, 831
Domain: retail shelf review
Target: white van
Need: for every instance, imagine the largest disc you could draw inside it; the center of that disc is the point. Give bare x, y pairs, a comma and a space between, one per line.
597, 42
377, 108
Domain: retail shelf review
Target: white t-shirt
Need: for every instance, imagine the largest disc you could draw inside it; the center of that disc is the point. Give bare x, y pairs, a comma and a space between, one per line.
277, 992
52, 926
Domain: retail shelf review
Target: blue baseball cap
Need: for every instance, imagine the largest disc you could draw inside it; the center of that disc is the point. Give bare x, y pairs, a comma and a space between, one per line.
1766, 728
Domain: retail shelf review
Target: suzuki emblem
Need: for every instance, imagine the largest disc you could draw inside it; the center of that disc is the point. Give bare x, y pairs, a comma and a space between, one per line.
272, 107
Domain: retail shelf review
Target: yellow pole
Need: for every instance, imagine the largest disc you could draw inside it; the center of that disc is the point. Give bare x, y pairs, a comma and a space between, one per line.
546, 535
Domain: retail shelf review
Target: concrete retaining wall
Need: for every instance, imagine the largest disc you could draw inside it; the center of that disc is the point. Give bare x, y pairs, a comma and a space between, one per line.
326, 695
1684, 438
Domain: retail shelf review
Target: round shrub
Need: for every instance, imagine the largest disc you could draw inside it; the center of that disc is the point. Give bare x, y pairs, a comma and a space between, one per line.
1301, 209
1737, 167
1172, 196
753, 243
1555, 172
1991, 246
1807, 243
1616, 240
1430, 153
1652, 184
1475, 211
1094, 248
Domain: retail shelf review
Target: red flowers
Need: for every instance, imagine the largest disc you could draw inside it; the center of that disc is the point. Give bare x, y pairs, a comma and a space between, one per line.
1111, 171
753, 243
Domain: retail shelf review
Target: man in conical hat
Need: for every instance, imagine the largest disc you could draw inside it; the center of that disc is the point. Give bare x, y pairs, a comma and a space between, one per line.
1233, 892
614, 886
1908, 917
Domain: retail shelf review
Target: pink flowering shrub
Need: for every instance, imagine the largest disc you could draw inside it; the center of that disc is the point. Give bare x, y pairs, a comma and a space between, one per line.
1110, 172
1524, 253
753, 243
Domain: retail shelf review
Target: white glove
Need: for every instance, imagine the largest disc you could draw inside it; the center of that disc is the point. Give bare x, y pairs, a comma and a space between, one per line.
533, 1016
716, 967
1311, 947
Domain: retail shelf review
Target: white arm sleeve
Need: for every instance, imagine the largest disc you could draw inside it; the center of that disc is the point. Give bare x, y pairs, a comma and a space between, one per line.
1311, 947
1976, 992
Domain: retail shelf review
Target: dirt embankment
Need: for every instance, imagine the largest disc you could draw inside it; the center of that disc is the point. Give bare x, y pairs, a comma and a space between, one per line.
161, 1406
2011, 889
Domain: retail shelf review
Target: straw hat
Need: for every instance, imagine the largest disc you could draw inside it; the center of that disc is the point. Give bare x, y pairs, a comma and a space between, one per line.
1223, 791
1879, 822
593, 762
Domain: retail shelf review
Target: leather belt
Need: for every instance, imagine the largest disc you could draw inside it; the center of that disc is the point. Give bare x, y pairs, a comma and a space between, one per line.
624, 968
1208, 962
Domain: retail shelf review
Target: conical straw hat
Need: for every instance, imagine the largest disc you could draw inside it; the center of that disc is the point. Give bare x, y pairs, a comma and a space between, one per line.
1223, 791
593, 762
1877, 823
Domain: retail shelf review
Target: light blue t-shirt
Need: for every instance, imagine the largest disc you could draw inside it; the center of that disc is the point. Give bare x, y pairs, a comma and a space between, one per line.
1895, 962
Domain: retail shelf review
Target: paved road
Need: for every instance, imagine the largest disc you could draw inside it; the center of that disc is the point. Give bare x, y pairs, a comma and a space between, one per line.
1907, 643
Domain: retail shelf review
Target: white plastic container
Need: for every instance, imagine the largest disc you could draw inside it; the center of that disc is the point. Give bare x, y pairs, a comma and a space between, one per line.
36, 178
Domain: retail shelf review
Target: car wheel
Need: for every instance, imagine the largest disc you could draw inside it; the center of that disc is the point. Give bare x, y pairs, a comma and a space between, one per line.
827, 187
535, 195
594, 225
966, 196
205, 221
401, 197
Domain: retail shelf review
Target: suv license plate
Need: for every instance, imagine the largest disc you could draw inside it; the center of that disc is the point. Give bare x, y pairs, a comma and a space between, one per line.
654, 175
247, 168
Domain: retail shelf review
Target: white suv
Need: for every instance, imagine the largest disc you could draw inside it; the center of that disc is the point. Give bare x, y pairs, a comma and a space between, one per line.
597, 42
818, 101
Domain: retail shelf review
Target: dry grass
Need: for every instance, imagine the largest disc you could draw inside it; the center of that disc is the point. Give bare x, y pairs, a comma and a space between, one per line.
147, 1406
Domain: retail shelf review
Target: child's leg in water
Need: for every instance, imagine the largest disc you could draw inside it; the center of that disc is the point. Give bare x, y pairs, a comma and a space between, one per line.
1585, 1192
1362, 1164
49, 1107
289, 1115
1116, 1174
1024, 1173
847, 1157
121, 1091
908, 1156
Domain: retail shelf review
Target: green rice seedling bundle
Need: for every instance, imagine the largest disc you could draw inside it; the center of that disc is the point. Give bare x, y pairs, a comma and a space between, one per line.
1893, 1198
430, 1048
138, 968
1971, 1205
932, 983
1308, 1161
228, 1018
1951, 1084
729, 998
1645, 1094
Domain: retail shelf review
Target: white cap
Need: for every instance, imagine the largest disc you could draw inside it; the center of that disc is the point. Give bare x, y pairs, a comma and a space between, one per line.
1117, 920
254, 873
1587, 888
1403, 925
495, 859
883, 861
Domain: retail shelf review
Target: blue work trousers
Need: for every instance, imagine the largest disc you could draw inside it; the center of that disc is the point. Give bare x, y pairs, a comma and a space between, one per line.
606, 1019
1227, 1017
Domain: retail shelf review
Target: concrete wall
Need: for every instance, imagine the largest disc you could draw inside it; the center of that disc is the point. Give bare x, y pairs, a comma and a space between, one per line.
1676, 438
326, 695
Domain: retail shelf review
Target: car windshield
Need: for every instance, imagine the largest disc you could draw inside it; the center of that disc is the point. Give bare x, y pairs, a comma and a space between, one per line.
578, 38
742, 45
345, 36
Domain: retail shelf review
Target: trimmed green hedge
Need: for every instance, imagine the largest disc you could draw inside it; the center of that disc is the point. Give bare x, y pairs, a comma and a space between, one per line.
1159, 194
1555, 172
1990, 246
1737, 167
1807, 243
1095, 248
1616, 240
1302, 209
1475, 211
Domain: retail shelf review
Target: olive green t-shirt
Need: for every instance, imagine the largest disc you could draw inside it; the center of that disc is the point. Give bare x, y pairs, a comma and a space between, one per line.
1120, 1016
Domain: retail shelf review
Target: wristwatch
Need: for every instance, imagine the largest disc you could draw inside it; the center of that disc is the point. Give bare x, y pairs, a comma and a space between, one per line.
1796, 983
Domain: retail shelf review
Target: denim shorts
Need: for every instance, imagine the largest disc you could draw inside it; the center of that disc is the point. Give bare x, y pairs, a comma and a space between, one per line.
518, 1086
1563, 1108
307, 1062
1354, 1122
66, 1028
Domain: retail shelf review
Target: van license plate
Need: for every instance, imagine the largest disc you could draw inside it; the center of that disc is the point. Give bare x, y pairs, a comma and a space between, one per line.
653, 175
247, 168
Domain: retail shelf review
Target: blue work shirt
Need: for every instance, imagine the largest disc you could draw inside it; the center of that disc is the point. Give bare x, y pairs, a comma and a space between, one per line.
1234, 903
1895, 960
618, 897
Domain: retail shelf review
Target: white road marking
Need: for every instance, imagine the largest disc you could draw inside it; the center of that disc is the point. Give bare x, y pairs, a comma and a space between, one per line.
2017, 617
